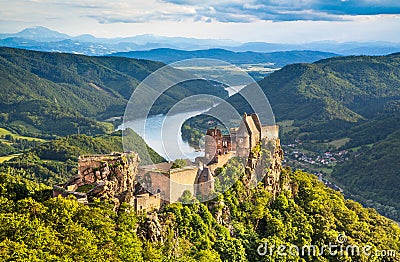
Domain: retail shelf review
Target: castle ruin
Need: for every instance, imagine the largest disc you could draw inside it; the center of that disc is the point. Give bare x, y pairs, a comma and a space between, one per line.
119, 177
198, 177
111, 177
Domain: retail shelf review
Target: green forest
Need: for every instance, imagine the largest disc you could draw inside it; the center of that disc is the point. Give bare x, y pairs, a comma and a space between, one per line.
37, 227
78, 92
378, 185
54, 107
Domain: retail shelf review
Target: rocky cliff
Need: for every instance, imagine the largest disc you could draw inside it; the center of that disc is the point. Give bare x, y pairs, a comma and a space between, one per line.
109, 177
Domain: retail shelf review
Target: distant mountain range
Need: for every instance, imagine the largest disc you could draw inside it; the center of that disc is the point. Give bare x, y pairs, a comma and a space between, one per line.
44, 39
276, 59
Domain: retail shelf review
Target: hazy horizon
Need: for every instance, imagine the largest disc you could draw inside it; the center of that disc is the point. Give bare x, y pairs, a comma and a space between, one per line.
242, 21
233, 42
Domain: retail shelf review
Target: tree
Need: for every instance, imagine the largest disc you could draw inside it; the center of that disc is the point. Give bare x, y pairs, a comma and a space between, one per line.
178, 163
230, 250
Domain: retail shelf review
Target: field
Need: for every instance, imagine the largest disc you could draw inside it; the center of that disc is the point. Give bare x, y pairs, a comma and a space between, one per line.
4, 132
233, 75
286, 126
356, 149
340, 142
6, 158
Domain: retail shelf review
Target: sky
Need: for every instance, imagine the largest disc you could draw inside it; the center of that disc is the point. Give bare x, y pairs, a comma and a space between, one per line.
283, 21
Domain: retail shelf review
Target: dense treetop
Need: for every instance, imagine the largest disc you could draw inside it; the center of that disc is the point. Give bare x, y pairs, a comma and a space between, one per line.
36, 227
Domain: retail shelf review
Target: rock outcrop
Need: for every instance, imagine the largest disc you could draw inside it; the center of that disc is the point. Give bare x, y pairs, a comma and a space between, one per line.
152, 229
272, 176
110, 177
265, 164
221, 213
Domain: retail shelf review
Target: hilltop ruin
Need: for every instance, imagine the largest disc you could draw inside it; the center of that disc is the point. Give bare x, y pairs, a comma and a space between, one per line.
110, 177
198, 177
118, 176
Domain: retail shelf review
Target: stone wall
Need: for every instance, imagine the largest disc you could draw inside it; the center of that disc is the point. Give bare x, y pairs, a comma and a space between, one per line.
205, 182
155, 181
270, 132
121, 168
146, 202
221, 161
61, 191
104, 177
182, 179
169, 183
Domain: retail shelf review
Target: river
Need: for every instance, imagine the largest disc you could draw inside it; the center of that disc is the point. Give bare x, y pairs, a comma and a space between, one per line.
163, 132
166, 128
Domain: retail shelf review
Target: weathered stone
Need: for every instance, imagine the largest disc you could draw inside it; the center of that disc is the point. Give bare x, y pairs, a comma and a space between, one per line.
152, 229
113, 177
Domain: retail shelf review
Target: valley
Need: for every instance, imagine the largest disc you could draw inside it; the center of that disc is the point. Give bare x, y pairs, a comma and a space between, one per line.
200, 131
58, 108
331, 106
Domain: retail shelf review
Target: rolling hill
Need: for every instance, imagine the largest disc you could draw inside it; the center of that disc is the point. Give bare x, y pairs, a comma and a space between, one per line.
276, 59
354, 99
349, 89
54, 94
55, 161
372, 176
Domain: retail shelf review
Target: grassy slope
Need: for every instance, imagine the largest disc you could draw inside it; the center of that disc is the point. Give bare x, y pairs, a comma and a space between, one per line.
4, 132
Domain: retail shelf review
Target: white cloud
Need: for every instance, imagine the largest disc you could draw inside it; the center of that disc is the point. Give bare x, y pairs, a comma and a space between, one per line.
296, 20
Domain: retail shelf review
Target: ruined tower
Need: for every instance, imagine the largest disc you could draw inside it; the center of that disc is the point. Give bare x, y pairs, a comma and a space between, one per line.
248, 135
216, 144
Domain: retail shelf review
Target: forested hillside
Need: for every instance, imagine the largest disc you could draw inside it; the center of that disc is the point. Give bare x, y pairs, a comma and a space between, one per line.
54, 94
56, 161
349, 104
36, 227
46, 94
373, 176
275, 59
342, 88
353, 98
